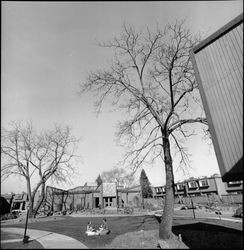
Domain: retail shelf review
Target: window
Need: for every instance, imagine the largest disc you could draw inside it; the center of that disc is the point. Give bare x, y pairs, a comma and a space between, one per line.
234, 183
180, 187
192, 184
203, 183
163, 189
19, 196
108, 202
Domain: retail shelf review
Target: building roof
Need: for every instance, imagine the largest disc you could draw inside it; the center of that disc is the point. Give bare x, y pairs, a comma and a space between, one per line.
133, 188
90, 184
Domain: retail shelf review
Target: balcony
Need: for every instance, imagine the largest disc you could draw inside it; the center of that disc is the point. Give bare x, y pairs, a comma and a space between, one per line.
192, 185
203, 183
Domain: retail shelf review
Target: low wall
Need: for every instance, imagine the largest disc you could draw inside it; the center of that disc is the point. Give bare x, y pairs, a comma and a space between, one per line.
211, 199
232, 198
151, 203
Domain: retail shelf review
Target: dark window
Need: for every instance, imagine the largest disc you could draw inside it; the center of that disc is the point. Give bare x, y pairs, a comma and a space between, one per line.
192, 184
234, 183
180, 187
108, 201
203, 183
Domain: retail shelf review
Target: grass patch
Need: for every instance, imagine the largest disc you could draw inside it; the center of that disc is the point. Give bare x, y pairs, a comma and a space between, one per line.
143, 240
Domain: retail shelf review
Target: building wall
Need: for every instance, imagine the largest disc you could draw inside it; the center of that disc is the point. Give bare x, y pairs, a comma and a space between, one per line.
211, 188
20, 201
84, 197
234, 187
220, 185
131, 196
218, 64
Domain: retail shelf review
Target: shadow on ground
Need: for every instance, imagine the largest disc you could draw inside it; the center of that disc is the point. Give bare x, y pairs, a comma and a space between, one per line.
203, 235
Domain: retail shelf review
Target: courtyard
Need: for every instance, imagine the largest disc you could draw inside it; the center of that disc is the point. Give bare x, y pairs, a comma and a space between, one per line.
137, 231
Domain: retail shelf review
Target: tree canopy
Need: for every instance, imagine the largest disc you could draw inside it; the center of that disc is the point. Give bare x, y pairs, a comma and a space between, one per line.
37, 155
152, 79
118, 175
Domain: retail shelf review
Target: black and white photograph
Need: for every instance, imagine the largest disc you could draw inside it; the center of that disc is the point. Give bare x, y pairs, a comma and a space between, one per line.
121, 124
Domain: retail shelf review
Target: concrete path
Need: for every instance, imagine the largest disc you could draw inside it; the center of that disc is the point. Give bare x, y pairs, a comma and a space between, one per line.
47, 239
214, 218
200, 215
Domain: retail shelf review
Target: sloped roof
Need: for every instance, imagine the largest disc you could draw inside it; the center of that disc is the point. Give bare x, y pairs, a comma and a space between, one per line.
133, 188
7, 196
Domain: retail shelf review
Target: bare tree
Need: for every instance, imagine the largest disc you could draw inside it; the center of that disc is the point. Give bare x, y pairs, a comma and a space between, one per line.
46, 155
152, 79
118, 175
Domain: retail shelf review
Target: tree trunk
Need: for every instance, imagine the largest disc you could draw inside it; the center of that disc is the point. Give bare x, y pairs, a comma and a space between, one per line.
165, 229
40, 201
29, 197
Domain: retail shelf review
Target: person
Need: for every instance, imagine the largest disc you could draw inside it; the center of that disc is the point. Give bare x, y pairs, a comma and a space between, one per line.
90, 230
104, 229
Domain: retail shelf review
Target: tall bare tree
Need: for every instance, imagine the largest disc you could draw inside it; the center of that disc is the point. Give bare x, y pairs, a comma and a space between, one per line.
45, 155
152, 78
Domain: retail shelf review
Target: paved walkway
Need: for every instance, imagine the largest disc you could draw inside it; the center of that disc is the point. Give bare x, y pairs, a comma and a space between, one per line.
200, 215
46, 239
214, 218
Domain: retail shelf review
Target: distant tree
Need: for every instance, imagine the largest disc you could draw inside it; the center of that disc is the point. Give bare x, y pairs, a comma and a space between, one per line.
152, 79
145, 185
99, 180
45, 155
118, 175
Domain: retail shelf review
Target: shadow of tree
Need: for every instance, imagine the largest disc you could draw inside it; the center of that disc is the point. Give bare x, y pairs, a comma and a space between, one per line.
205, 236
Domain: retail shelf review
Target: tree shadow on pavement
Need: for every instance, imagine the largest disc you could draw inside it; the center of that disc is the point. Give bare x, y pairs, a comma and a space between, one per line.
205, 236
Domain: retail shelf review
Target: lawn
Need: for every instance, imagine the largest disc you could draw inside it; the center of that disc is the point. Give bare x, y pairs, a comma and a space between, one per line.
142, 231
76, 226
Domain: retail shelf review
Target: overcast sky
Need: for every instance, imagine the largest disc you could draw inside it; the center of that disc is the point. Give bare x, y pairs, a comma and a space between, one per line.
48, 48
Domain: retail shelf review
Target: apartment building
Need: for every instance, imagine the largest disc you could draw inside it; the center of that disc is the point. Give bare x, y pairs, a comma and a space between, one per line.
202, 185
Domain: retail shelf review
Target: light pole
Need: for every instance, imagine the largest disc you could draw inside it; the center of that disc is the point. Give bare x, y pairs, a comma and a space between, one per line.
193, 209
26, 237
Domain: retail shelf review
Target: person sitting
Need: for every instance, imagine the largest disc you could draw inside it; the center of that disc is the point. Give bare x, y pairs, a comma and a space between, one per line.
104, 229
90, 230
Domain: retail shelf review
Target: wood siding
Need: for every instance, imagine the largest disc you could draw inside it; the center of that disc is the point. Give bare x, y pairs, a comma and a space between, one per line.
219, 68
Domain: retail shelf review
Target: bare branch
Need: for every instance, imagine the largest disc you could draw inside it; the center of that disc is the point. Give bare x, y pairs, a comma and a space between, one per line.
179, 123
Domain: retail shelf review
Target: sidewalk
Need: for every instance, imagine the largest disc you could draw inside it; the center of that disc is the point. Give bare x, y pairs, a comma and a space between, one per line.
200, 215
215, 218
46, 239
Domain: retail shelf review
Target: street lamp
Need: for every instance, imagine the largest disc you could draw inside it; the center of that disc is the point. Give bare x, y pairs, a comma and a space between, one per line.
26, 237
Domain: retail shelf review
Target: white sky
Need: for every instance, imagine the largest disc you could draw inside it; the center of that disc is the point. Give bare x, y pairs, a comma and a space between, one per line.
47, 49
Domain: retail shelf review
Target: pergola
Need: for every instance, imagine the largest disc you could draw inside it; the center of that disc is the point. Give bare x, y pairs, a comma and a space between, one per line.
52, 192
